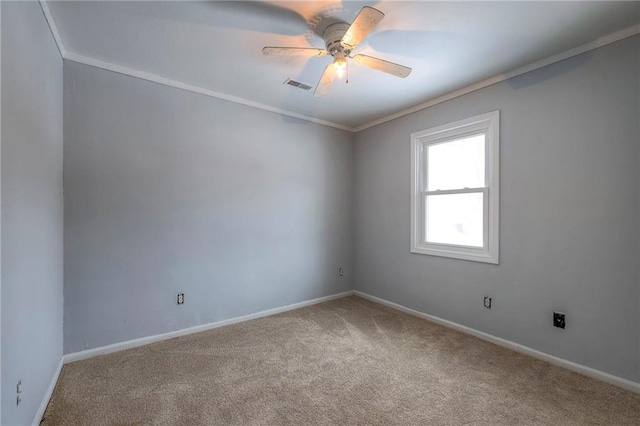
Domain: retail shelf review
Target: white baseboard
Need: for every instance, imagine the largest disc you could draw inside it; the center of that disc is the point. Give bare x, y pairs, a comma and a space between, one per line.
103, 350
569, 365
47, 396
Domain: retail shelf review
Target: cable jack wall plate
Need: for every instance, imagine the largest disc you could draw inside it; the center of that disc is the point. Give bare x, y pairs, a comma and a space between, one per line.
559, 320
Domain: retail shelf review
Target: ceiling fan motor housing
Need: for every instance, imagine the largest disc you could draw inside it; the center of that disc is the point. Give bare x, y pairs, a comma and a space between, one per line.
332, 36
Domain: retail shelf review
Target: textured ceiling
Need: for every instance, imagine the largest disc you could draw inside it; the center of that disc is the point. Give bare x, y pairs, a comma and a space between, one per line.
217, 45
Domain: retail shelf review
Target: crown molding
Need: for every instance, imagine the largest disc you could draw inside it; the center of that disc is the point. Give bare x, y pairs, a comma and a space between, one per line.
600, 42
595, 44
52, 26
143, 75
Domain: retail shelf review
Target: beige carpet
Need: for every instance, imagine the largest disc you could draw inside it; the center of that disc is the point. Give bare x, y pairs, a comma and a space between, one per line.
347, 361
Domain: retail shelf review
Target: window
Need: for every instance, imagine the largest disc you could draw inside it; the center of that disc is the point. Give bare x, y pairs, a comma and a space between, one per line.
454, 189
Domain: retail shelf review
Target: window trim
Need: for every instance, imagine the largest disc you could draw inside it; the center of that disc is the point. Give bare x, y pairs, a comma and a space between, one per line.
489, 124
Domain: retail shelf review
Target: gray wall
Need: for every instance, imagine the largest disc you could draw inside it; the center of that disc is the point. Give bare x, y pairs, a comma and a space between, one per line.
32, 209
168, 191
243, 210
569, 213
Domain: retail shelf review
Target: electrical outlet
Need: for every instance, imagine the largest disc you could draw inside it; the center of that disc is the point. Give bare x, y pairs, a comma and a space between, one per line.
18, 392
340, 271
180, 298
559, 320
487, 302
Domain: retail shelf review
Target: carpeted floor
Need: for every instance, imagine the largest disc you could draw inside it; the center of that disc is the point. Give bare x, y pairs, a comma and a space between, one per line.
348, 361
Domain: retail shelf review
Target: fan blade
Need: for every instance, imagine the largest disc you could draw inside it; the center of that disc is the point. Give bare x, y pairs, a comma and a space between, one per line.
364, 22
293, 51
382, 65
325, 81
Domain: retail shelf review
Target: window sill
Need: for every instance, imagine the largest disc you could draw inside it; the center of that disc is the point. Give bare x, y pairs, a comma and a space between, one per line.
479, 256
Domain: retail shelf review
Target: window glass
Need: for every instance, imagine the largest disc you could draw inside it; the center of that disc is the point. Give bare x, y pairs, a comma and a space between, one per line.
456, 164
455, 219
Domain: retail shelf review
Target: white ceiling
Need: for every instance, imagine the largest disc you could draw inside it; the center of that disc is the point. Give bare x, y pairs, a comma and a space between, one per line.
217, 45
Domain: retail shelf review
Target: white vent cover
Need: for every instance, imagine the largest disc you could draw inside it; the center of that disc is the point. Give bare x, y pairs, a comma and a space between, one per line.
297, 84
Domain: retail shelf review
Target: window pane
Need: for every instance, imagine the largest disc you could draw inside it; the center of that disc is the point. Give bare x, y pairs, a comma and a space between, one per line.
456, 164
455, 219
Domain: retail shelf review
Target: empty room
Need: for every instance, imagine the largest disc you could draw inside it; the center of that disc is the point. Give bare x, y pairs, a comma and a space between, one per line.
320, 213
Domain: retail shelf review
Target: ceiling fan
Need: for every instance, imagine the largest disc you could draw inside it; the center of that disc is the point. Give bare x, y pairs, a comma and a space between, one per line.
340, 39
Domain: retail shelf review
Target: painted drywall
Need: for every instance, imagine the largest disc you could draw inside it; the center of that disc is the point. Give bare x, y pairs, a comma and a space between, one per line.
569, 213
0, 215
32, 209
168, 192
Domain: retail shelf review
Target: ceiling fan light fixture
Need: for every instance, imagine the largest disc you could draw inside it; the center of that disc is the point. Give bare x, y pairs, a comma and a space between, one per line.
339, 63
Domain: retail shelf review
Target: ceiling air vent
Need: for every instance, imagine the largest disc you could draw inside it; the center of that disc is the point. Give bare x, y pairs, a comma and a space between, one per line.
297, 84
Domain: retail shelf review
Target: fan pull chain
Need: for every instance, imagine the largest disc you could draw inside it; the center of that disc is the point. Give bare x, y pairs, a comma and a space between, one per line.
346, 80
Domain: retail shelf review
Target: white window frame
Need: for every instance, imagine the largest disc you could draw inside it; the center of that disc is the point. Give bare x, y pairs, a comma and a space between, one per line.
489, 125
